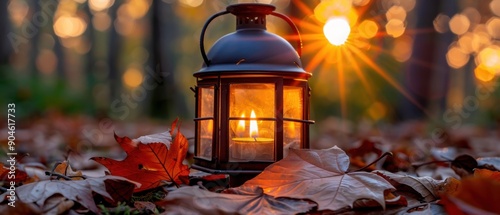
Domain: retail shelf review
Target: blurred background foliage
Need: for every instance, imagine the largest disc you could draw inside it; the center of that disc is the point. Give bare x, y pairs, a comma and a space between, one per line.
128, 60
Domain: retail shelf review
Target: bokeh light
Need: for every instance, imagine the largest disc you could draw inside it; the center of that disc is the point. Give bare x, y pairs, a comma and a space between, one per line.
441, 23
495, 7
337, 30
101, 21
489, 57
18, 9
192, 3
402, 48
483, 73
69, 26
459, 24
396, 12
456, 58
132, 77
368, 29
395, 27
100, 5
493, 27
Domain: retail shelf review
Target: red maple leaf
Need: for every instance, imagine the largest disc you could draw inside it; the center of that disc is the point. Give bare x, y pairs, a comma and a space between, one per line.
151, 164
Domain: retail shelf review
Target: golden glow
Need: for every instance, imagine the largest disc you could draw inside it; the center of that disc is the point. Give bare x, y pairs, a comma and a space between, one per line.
69, 26
360, 3
495, 7
489, 57
465, 42
335, 64
395, 27
192, 3
100, 5
493, 27
480, 39
132, 77
136, 9
337, 30
331, 8
456, 58
483, 73
254, 129
396, 12
459, 24
240, 129
368, 29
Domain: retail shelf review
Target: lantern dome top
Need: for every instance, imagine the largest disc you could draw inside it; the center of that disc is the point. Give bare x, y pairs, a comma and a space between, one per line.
251, 49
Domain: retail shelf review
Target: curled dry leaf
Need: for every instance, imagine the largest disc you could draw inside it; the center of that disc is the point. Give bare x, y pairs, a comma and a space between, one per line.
320, 175
193, 200
491, 163
65, 169
151, 164
426, 187
75, 190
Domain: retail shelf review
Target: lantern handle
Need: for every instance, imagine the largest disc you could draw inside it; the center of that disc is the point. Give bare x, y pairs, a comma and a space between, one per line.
202, 36
279, 15
294, 28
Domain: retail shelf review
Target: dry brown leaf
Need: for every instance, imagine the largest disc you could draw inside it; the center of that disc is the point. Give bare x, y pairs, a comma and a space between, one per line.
476, 195
76, 190
151, 164
320, 175
64, 168
426, 187
193, 200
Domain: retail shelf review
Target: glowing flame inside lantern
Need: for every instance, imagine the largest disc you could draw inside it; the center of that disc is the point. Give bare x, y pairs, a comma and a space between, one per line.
254, 130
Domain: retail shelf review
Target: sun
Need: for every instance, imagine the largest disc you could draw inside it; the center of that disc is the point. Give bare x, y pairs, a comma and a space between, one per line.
340, 40
337, 30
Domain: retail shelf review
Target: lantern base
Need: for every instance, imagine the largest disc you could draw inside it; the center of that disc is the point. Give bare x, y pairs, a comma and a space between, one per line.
236, 177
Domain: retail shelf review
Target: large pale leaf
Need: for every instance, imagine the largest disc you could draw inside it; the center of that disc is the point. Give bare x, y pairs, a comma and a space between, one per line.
320, 175
193, 200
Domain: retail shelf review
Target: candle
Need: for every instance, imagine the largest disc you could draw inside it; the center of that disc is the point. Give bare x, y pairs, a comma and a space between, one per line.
252, 147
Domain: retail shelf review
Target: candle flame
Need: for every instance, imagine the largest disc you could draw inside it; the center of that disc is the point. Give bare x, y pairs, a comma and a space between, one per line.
254, 130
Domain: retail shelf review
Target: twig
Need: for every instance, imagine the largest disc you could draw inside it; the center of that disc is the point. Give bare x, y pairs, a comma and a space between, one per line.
58, 175
375, 161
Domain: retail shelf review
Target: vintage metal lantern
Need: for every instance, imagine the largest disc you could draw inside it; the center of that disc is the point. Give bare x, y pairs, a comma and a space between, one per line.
252, 96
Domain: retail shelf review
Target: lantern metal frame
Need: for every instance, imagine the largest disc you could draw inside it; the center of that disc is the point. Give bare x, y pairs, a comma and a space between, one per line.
225, 66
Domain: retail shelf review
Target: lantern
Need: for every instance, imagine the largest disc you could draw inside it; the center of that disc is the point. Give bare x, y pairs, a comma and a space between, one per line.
252, 97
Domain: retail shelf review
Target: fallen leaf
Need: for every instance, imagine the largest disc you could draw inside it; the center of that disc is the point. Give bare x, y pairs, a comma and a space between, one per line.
491, 163
320, 175
151, 164
494, 175
464, 165
427, 188
18, 176
38, 192
476, 195
113, 188
193, 200
80, 191
65, 169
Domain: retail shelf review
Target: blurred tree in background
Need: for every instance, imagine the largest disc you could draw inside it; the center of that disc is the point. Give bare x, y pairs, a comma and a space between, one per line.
129, 59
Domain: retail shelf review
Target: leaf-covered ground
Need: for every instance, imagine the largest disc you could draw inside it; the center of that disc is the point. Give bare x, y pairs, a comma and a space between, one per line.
77, 165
